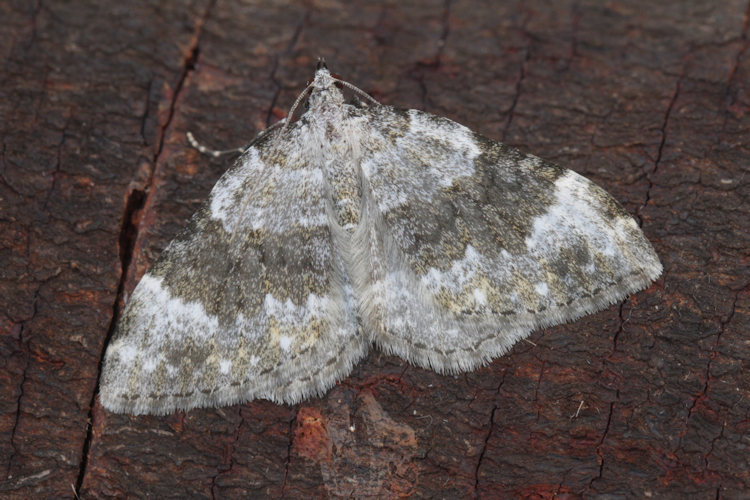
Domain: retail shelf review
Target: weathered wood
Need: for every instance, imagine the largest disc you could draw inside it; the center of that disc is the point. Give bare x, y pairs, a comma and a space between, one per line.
648, 100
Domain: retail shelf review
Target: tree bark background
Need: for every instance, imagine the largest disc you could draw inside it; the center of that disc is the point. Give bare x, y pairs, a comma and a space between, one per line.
649, 100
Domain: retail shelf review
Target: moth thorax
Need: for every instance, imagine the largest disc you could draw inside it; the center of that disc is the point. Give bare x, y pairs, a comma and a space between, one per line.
346, 191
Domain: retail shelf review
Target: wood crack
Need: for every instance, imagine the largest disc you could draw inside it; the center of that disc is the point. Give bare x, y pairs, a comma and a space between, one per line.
522, 71
288, 460
17, 417
136, 200
712, 355
276, 61
660, 151
230, 459
491, 426
599, 451
56, 171
418, 72
24, 350
730, 92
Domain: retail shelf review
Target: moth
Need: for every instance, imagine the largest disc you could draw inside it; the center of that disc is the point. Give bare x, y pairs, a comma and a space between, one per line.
361, 224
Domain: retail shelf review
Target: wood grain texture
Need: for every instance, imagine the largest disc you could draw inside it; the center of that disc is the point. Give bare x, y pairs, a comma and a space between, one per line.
648, 100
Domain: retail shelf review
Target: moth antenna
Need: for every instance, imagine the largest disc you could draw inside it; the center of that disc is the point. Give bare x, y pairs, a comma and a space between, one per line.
357, 90
291, 111
215, 153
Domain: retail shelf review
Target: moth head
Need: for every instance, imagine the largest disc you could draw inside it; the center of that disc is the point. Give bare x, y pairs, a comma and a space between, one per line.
323, 88
323, 78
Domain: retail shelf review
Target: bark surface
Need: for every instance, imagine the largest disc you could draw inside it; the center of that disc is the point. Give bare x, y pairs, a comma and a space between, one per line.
649, 100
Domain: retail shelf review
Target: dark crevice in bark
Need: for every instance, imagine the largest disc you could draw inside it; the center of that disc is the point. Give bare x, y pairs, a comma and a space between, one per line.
418, 71
732, 93
34, 11
712, 355
146, 112
187, 68
575, 21
522, 71
741, 52
23, 323
136, 200
484, 449
277, 60
276, 94
536, 389
660, 151
713, 443
446, 31
230, 459
615, 337
562, 482
599, 452
25, 354
490, 426
378, 32
55, 172
17, 417
128, 237
24, 350
288, 460
621, 324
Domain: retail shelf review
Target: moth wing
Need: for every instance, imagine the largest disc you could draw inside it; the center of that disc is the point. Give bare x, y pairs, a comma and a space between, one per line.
249, 301
479, 244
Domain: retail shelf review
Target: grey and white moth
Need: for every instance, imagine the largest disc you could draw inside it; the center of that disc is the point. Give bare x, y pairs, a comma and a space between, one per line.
362, 224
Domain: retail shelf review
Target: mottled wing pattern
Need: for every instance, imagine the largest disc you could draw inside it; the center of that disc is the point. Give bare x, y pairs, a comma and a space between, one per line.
249, 301
476, 244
